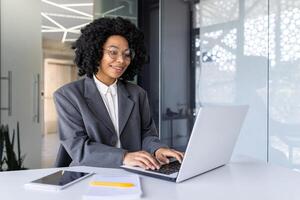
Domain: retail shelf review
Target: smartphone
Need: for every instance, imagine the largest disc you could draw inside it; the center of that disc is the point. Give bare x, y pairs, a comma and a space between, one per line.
58, 180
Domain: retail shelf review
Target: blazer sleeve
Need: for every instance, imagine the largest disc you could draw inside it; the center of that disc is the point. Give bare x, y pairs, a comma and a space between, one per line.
150, 137
75, 140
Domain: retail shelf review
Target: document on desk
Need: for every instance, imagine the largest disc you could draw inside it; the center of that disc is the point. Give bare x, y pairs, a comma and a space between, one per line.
113, 187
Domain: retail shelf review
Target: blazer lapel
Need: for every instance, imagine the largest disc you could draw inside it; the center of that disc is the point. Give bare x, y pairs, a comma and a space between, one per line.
96, 103
125, 105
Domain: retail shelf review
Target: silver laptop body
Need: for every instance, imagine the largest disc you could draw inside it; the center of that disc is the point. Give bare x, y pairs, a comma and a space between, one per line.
211, 143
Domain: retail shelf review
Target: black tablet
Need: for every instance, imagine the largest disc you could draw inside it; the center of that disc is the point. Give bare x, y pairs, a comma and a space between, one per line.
58, 180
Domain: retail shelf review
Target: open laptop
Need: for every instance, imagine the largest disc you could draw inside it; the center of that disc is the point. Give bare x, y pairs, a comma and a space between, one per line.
210, 146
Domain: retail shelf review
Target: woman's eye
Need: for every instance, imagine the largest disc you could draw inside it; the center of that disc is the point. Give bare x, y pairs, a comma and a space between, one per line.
114, 52
127, 55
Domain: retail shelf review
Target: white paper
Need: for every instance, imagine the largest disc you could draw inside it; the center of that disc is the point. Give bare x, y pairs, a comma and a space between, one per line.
105, 192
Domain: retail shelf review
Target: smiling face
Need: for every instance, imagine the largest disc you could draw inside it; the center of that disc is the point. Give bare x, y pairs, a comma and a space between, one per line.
115, 60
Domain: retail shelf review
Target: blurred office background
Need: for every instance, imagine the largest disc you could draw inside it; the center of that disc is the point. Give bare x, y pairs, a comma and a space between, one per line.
200, 53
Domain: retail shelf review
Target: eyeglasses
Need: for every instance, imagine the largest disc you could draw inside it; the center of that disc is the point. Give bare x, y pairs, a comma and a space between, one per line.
114, 53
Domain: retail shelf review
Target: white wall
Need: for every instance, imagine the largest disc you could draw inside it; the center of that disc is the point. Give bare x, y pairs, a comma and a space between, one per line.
21, 53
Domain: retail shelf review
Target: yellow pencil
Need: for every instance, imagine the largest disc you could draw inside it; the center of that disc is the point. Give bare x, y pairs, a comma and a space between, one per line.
111, 184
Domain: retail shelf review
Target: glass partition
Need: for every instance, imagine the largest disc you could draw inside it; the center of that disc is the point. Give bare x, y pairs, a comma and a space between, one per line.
232, 64
175, 83
284, 80
247, 52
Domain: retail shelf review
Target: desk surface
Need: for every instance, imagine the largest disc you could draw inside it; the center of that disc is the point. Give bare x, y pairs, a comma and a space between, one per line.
241, 180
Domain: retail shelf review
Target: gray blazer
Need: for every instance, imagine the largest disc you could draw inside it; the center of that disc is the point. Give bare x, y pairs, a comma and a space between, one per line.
87, 133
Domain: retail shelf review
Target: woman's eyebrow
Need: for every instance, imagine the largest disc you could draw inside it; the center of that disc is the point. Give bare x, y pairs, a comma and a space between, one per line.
117, 47
113, 46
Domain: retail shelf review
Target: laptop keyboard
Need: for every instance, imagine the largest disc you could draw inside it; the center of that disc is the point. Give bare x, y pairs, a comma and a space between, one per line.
168, 168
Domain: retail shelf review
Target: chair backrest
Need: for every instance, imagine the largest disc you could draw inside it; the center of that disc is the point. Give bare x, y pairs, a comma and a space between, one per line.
63, 159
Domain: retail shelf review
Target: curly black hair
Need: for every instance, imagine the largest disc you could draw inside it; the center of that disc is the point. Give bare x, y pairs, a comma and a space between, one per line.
88, 47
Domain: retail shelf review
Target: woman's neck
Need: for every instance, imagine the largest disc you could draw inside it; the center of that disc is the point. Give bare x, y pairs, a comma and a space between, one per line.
106, 80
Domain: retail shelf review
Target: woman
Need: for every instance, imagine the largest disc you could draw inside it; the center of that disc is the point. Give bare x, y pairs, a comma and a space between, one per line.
104, 120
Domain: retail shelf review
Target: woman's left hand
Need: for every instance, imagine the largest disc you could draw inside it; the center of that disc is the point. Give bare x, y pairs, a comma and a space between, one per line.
162, 155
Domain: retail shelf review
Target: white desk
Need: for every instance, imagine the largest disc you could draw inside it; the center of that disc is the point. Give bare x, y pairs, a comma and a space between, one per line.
243, 180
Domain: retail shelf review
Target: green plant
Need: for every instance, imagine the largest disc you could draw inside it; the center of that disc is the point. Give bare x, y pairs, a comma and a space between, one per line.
8, 159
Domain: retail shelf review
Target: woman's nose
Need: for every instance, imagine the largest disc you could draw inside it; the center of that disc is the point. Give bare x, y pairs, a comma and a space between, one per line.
120, 58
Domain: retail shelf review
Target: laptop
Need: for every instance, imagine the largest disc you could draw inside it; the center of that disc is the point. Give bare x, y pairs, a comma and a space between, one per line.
210, 146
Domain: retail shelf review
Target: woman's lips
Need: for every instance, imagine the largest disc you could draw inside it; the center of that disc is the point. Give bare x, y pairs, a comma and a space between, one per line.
118, 69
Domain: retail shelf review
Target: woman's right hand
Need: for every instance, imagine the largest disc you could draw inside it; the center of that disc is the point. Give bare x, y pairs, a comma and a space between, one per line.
142, 159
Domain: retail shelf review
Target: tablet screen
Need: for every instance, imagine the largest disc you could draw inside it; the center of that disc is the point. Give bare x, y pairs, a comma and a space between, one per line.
61, 178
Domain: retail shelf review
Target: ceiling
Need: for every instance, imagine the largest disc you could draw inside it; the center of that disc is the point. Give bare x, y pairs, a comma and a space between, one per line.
63, 19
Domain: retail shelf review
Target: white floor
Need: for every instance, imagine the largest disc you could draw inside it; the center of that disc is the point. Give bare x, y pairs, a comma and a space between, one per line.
49, 150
